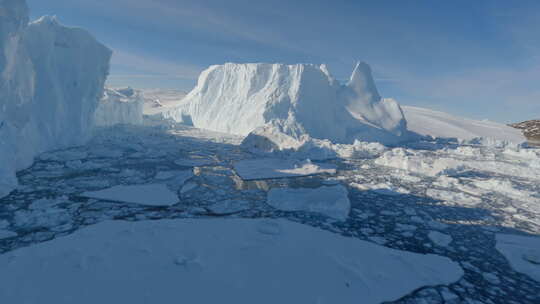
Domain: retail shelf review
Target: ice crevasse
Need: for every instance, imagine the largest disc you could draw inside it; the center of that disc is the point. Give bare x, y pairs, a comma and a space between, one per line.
279, 102
51, 80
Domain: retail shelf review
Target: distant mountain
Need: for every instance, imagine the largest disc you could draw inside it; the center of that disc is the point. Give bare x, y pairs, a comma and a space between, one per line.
531, 130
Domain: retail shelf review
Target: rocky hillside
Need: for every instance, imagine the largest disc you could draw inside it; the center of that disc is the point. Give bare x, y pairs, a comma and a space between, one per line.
531, 129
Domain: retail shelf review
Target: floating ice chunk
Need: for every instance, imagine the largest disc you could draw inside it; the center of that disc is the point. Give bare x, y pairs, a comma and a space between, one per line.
178, 177
229, 206
412, 161
194, 162
331, 201
278, 168
440, 239
151, 195
381, 188
166, 260
459, 198
522, 252
5, 234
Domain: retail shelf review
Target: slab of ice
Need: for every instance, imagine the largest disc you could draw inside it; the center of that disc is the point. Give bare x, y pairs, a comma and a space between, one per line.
194, 162
523, 253
331, 201
151, 195
265, 168
229, 206
440, 239
412, 161
459, 198
4, 234
381, 188
214, 261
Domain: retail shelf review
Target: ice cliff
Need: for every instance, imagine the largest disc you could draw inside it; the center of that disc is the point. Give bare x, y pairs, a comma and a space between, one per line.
293, 100
51, 79
120, 106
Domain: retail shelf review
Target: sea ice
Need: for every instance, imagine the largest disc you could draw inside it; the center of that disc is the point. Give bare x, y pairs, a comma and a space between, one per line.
265, 168
440, 239
331, 201
150, 195
522, 252
238, 261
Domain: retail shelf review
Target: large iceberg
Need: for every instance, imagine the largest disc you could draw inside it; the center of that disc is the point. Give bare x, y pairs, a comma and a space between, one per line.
120, 106
51, 79
294, 100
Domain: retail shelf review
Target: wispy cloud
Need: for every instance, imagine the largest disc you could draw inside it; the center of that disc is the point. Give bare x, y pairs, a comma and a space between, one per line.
143, 65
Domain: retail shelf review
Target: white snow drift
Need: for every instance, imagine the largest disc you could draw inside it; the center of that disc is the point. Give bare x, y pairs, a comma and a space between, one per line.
440, 124
120, 106
51, 79
214, 261
296, 100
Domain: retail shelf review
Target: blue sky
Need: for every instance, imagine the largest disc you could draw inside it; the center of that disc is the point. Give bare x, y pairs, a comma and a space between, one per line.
479, 59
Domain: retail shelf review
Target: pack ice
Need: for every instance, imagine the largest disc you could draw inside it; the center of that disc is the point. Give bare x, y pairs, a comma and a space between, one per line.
295, 100
51, 79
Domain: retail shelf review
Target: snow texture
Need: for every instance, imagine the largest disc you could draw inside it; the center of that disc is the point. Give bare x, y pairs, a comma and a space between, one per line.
120, 106
266, 168
214, 261
440, 124
296, 100
523, 253
150, 195
51, 79
331, 201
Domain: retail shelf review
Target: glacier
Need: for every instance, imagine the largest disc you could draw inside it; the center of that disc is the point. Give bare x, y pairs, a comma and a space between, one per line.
298, 101
52, 78
443, 125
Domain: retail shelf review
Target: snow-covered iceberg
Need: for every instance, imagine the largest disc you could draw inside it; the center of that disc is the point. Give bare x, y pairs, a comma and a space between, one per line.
51, 79
295, 100
120, 106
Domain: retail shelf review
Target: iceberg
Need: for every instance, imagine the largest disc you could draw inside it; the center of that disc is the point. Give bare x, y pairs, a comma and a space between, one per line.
120, 106
298, 101
51, 80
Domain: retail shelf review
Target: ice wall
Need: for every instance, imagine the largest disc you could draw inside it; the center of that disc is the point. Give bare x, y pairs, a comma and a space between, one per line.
120, 106
298, 100
51, 79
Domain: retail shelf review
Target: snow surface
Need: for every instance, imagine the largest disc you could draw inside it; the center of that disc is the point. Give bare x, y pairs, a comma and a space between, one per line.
523, 253
440, 124
214, 261
51, 79
296, 100
331, 201
120, 106
264, 168
151, 195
